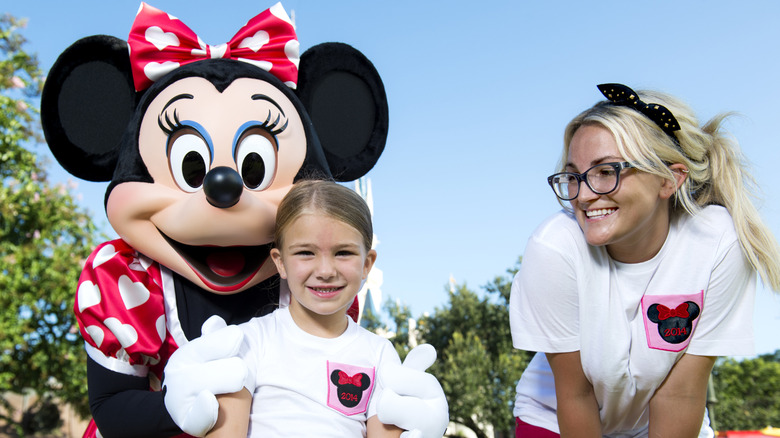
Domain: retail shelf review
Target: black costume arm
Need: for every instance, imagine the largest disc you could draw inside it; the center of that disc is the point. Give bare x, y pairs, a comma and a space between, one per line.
124, 406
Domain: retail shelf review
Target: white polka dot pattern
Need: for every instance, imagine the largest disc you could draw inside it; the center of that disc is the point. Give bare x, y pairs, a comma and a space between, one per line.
160, 43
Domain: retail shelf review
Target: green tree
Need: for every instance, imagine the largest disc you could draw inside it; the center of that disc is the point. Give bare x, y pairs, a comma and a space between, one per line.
44, 240
747, 393
477, 365
404, 337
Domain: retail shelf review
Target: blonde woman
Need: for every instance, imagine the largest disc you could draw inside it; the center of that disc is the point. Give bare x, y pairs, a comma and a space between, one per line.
648, 274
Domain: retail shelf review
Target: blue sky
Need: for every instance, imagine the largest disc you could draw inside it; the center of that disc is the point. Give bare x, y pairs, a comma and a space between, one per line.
479, 94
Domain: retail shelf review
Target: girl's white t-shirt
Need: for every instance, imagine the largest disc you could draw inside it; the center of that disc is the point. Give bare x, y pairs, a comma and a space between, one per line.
304, 385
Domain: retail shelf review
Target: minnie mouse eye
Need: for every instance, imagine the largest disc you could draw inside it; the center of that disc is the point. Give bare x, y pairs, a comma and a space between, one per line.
188, 159
256, 160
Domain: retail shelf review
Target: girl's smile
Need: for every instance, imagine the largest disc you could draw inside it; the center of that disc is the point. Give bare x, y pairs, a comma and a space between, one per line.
325, 292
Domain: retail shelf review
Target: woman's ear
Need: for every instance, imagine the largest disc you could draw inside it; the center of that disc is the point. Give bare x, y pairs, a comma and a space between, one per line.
680, 172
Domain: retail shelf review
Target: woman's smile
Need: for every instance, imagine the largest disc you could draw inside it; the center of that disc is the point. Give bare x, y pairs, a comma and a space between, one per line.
600, 213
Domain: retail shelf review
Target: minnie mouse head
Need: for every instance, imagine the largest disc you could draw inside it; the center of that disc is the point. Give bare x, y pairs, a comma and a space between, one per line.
199, 160
674, 325
350, 388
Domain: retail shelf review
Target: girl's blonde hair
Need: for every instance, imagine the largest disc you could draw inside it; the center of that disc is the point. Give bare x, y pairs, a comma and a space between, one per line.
328, 198
717, 170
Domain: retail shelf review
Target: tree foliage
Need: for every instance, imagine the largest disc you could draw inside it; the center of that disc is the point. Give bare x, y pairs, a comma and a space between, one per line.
44, 240
477, 365
748, 393
404, 338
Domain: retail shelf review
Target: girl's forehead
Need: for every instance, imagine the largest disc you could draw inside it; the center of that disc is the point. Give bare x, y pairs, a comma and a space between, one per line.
316, 215
311, 222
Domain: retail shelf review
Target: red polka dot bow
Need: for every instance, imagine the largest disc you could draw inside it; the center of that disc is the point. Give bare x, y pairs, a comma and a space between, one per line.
160, 43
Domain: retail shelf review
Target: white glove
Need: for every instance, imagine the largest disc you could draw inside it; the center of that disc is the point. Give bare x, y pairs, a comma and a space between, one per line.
413, 399
199, 370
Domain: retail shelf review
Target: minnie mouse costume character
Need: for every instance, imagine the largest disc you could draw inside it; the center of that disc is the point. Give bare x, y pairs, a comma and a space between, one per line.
200, 143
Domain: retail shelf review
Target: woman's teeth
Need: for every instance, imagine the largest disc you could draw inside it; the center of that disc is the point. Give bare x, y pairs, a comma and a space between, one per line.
600, 212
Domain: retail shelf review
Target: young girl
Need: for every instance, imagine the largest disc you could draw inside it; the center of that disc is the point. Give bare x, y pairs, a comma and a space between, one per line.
312, 370
630, 293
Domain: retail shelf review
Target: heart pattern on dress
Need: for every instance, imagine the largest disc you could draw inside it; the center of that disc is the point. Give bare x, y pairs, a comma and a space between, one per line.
96, 333
106, 253
88, 295
125, 333
160, 325
133, 293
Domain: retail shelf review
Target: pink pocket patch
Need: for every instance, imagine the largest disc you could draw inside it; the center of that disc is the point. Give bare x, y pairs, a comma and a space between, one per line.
349, 387
671, 319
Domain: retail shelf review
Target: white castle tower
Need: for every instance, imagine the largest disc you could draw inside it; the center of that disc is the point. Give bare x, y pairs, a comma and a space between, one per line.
370, 296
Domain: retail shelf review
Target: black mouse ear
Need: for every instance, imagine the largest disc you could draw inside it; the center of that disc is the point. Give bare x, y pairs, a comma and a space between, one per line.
693, 310
365, 381
334, 377
652, 313
347, 104
87, 102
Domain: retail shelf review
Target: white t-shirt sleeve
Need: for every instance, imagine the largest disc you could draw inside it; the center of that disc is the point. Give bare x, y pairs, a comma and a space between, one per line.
544, 303
726, 324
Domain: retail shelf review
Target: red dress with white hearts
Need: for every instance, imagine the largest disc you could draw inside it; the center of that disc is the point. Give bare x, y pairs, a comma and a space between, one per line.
120, 307
121, 311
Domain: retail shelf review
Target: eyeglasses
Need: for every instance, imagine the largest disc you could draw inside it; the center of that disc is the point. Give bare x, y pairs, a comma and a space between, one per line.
601, 179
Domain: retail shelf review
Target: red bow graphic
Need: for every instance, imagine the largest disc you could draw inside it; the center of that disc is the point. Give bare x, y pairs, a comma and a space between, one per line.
160, 43
346, 379
665, 312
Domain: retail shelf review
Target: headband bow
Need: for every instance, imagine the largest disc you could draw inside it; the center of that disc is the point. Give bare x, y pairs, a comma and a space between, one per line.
160, 43
621, 95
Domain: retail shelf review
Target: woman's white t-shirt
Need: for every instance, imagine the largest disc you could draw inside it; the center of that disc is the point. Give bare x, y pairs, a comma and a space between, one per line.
630, 322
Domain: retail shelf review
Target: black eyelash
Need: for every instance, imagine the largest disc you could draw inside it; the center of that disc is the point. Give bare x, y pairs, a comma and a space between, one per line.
169, 127
271, 126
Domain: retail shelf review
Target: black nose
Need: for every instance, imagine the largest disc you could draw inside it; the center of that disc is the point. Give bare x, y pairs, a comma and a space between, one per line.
223, 187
